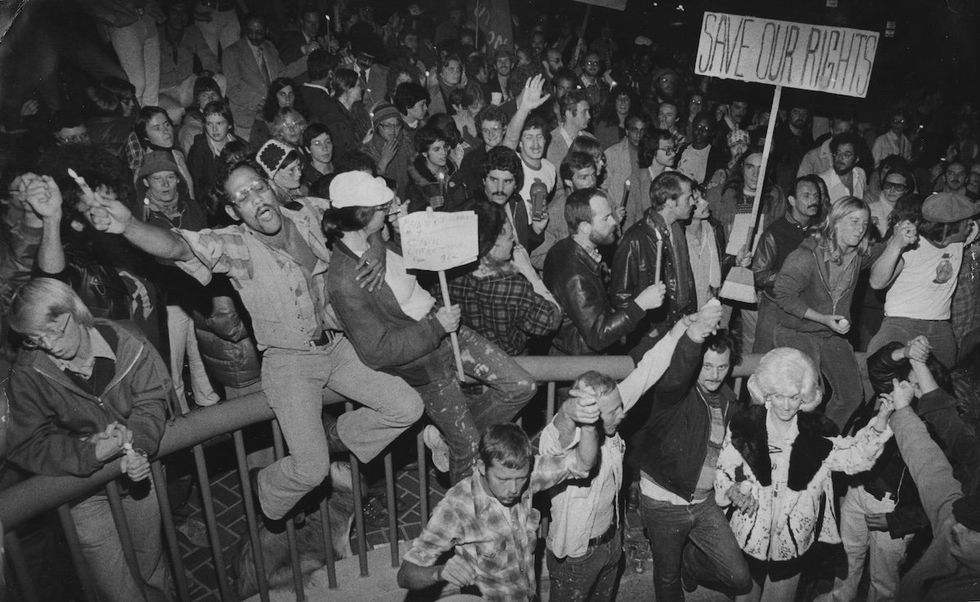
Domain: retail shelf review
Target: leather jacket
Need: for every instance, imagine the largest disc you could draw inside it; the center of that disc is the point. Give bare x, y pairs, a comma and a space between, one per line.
634, 268
577, 281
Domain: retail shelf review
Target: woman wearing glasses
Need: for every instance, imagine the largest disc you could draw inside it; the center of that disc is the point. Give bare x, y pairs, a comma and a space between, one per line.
281, 95
86, 393
774, 470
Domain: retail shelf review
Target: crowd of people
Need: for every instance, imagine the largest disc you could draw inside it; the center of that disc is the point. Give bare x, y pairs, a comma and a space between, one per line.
229, 215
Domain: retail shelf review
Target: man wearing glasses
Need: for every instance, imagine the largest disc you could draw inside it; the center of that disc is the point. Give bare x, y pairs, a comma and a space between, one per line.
278, 260
844, 178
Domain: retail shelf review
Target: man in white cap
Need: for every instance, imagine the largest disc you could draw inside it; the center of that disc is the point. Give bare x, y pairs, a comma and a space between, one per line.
921, 278
277, 259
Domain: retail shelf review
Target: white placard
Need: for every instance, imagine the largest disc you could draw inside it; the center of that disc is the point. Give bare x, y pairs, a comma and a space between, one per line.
435, 240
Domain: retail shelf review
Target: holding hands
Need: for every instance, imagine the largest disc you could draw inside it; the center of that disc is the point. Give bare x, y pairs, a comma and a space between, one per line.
742, 498
582, 407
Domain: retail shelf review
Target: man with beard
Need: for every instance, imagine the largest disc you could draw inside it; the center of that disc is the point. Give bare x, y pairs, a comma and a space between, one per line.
590, 78
496, 300
634, 266
574, 272
499, 85
791, 141
578, 171
844, 178
277, 259
665, 86
819, 159
676, 452
954, 178
777, 242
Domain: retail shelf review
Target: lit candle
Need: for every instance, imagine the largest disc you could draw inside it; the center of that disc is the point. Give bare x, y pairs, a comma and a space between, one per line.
626, 193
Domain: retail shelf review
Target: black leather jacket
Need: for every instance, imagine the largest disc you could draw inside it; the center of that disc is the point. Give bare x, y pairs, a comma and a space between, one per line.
591, 323
634, 268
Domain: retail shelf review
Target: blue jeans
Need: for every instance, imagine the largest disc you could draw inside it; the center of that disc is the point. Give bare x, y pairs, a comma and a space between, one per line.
699, 537
293, 382
939, 333
462, 418
834, 356
102, 548
592, 576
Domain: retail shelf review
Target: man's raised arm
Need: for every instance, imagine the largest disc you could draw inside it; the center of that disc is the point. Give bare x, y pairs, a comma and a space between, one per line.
107, 214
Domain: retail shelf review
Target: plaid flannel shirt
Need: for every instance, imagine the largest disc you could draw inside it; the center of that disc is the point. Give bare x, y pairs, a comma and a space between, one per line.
504, 309
470, 521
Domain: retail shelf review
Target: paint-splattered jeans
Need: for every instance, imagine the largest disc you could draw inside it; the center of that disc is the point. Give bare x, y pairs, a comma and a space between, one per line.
591, 576
462, 417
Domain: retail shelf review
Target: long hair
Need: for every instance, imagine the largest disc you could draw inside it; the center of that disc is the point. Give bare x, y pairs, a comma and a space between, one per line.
608, 115
346, 219
826, 235
271, 106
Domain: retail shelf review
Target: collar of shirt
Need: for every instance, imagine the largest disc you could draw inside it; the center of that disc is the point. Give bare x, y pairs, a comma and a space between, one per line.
317, 87
99, 348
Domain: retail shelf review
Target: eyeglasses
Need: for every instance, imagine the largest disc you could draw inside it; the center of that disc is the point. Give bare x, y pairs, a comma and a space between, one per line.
894, 186
670, 150
591, 62
844, 154
47, 339
397, 125
292, 125
635, 130
250, 192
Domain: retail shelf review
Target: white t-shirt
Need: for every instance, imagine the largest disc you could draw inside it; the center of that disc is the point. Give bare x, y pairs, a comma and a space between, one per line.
547, 174
694, 163
924, 289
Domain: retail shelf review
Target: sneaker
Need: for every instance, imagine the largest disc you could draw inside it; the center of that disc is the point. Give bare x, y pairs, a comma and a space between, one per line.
437, 445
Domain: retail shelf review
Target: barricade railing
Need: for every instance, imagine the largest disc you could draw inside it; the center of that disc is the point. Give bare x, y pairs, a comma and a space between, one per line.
40, 494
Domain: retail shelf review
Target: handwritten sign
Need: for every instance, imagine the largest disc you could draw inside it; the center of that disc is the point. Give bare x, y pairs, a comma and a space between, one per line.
822, 58
438, 241
613, 4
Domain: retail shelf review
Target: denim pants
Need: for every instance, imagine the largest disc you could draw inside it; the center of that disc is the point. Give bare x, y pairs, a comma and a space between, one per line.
886, 554
592, 576
834, 356
293, 382
102, 547
461, 417
939, 333
698, 536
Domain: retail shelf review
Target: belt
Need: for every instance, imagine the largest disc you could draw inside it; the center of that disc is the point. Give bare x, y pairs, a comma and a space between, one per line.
605, 537
326, 337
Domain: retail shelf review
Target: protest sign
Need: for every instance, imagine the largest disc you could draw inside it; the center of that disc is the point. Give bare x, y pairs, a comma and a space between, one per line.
438, 241
821, 58
613, 4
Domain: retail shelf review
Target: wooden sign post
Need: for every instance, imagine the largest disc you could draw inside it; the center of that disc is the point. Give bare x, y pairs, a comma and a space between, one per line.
437, 242
820, 58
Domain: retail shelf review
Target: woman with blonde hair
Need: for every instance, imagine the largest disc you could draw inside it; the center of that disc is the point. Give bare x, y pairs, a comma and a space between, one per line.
815, 287
775, 469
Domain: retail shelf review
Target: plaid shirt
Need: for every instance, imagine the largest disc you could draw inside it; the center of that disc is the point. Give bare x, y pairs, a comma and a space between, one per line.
504, 309
470, 521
